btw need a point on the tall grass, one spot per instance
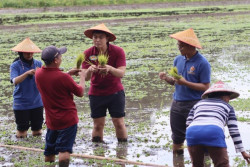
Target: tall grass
(53, 3)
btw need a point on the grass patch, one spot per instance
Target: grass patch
(48, 3)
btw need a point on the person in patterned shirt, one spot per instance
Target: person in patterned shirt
(206, 122)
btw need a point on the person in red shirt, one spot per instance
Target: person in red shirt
(57, 90)
(106, 90)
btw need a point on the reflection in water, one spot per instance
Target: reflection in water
(100, 149)
(122, 151)
(178, 160)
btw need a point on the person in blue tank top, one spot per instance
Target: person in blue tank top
(27, 102)
(195, 73)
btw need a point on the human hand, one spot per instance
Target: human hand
(105, 69)
(246, 156)
(74, 71)
(92, 68)
(31, 72)
(181, 81)
(163, 75)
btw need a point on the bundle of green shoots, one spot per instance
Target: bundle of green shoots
(79, 60)
(174, 73)
(102, 59)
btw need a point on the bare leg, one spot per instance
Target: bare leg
(178, 149)
(21, 134)
(120, 129)
(50, 158)
(64, 158)
(37, 132)
(97, 133)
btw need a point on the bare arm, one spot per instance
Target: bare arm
(246, 156)
(82, 81)
(22, 77)
(192, 85)
(117, 72)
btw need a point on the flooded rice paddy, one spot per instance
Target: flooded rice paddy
(149, 50)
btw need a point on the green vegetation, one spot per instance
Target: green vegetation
(57, 17)
(174, 73)
(102, 59)
(49, 3)
(79, 60)
(149, 50)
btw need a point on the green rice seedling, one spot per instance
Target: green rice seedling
(79, 60)
(103, 59)
(174, 73)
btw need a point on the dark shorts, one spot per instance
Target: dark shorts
(29, 118)
(115, 104)
(178, 114)
(60, 140)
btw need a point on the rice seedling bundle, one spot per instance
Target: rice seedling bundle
(103, 59)
(174, 73)
(79, 60)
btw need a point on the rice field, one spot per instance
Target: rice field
(149, 50)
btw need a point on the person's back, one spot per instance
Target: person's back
(206, 122)
(57, 89)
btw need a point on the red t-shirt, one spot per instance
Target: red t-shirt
(57, 89)
(105, 85)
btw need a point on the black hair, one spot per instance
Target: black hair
(218, 94)
(100, 32)
(17, 58)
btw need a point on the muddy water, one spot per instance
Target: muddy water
(147, 107)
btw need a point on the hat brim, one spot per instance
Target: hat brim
(62, 50)
(178, 39)
(233, 95)
(89, 34)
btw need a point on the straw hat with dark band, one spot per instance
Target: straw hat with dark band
(188, 36)
(26, 46)
(220, 87)
(100, 27)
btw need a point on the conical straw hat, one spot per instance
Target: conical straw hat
(100, 27)
(221, 87)
(188, 36)
(26, 46)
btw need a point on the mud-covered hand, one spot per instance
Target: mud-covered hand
(246, 156)
(163, 75)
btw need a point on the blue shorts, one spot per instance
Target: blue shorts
(115, 104)
(206, 135)
(60, 140)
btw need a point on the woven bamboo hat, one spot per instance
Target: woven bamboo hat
(220, 87)
(188, 36)
(26, 46)
(100, 27)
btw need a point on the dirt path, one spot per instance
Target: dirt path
(123, 7)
